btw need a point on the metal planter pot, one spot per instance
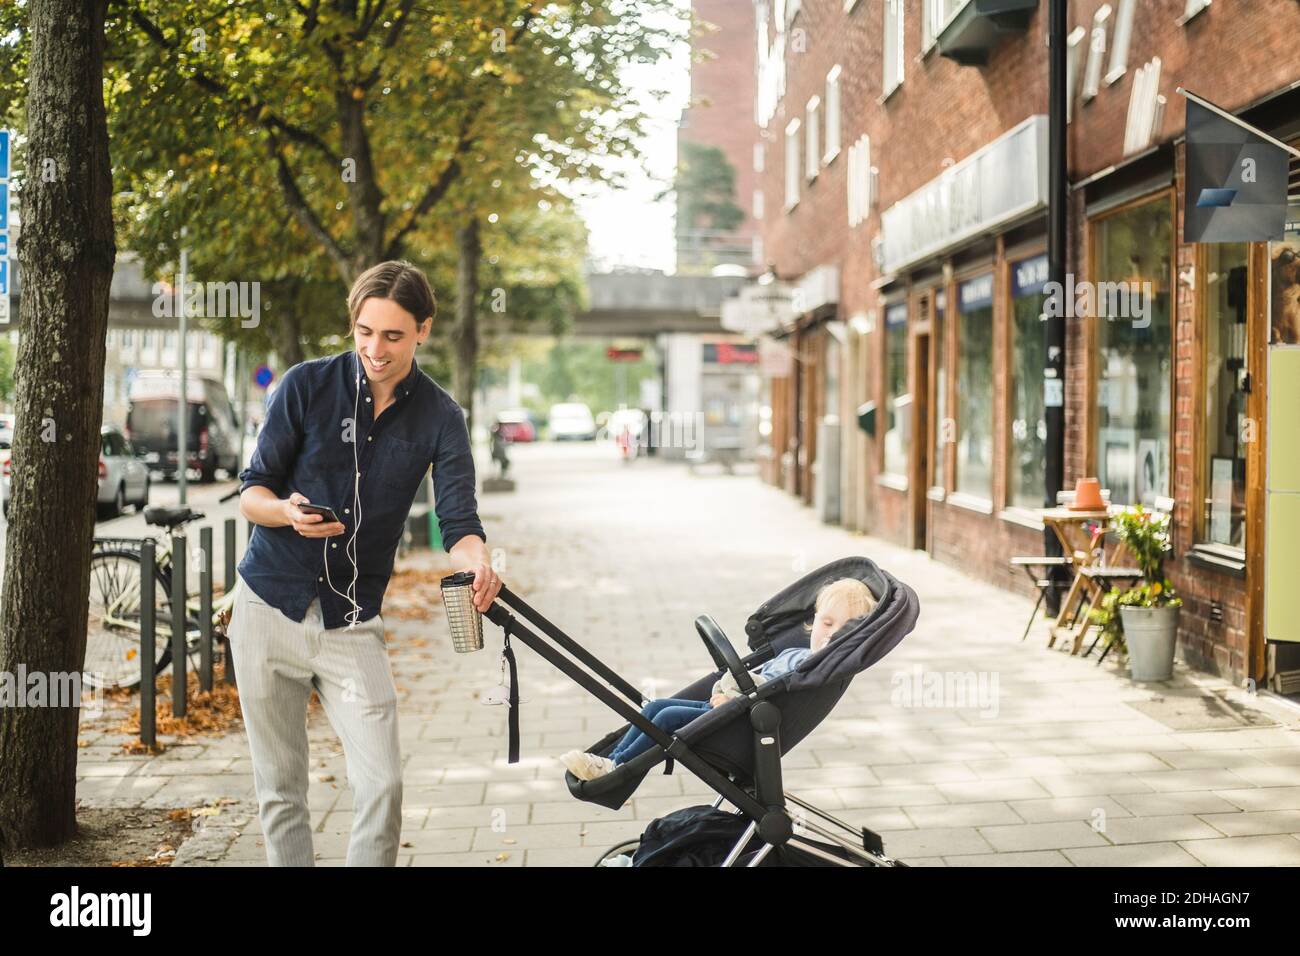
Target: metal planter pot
(1151, 633)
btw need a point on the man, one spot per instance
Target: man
(355, 432)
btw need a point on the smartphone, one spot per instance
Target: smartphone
(327, 513)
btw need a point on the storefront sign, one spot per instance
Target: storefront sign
(976, 293)
(757, 309)
(1028, 277)
(819, 287)
(998, 183)
(775, 360)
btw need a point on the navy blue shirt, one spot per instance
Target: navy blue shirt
(306, 445)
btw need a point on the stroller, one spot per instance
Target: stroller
(735, 748)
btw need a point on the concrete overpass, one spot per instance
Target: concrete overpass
(619, 303)
(648, 303)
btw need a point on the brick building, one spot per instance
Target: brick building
(902, 154)
(719, 115)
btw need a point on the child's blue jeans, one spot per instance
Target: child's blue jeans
(668, 714)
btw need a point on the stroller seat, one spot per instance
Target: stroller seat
(724, 735)
(737, 747)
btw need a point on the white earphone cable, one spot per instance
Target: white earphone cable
(350, 549)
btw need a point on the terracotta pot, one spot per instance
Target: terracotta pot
(1087, 496)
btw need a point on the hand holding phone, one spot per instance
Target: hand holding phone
(312, 521)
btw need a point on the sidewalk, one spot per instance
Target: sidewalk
(1057, 763)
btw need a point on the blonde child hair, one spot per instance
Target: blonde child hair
(850, 593)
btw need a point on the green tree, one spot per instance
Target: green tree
(323, 137)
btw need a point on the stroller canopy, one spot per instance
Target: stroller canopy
(723, 735)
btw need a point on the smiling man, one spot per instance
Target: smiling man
(355, 432)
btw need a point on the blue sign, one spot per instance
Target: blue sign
(976, 293)
(4, 245)
(1028, 276)
(4, 207)
(4, 154)
(4, 276)
(263, 376)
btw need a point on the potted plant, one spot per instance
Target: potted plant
(1148, 610)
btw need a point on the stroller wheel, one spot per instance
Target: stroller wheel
(626, 848)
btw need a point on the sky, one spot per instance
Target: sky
(626, 227)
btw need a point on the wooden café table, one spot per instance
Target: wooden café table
(1072, 530)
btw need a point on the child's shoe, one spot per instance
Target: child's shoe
(586, 766)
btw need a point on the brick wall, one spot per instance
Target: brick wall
(1235, 53)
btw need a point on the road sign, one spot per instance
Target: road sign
(4, 155)
(4, 277)
(4, 245)
(4, 207)
(4, 309)
(263, 376)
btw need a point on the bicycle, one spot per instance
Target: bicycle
(113, 623)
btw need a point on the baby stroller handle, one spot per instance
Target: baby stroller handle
(569, 644)
(723, 654)
(499, 616)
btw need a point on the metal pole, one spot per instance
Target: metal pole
(230, 554)
(205, 609)
(228, 671)
(179, 657)
(183, 404)
(1054, 327)
(241, 376)
(148, 729)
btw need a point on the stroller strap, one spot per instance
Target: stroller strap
(507, 652)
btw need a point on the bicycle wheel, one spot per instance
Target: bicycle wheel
(113, 622)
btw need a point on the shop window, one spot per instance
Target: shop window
(1028, 439)
(940, 388)
(1134, 250)
(898, 403)
(975, 388)
(1224, 462)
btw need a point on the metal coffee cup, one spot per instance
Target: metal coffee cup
(463, 618)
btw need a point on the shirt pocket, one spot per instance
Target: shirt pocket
(401, 465)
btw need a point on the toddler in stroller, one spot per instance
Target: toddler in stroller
(838, 602)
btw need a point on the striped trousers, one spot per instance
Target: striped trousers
(278, 662)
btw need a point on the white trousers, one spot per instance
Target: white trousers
(278, 662)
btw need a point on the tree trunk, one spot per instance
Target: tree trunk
(364, 195)
(465, 334)
(66, 252)
(287, 334)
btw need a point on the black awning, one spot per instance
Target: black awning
(981, 25)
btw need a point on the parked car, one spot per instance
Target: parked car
(212, 429)
(7, 424)
(571, 420)
(123, 478)
(123, 475)
(517, 425)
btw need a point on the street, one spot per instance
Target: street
(1054, 762)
